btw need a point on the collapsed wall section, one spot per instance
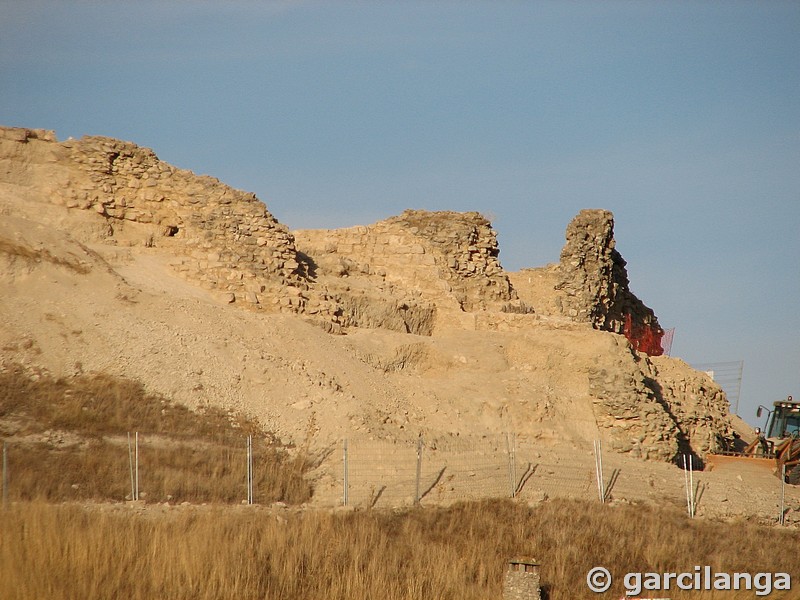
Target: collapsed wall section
(464, 251)
(593, 283)
(697, 403)
(656, 407)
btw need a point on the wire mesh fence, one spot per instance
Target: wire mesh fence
(396, 474)
(387, 474)
(729, 377)
(384, 474)
(365, 473)
(154, 468)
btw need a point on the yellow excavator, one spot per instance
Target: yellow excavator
(776, 446)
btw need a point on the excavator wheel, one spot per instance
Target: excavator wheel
(793, 476)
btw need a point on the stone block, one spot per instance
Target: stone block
(522, 580)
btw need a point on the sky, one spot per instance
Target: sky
(680, 117)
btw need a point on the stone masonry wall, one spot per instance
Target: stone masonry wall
(593, 280)
(656, 407)
(225, 239)
(446, 258)
(402, 273)
(522, 581)
(698, 404)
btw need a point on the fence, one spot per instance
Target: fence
(377, 473)
(729, 377)
(368, 473)
(154, 468)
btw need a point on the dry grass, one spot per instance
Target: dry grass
(37, 255)
(70, 442)
(97, 405)
(168, 472)
(458, 553)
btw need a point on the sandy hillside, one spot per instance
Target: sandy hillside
(113, 261)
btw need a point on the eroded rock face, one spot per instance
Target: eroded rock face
(657, 407)
(699, 406)
(593, 279)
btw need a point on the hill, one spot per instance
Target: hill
(114, 262)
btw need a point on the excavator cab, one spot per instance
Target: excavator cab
(783, 437)
(784, 420)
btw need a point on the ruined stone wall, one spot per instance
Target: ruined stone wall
(654, 407)
(657, 407)
(226, 240)
(22, 134)
(628, 412)
(223, 238)
(699, 405)
(593, 281)
(446, 258)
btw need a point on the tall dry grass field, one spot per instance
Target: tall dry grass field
(202, 553)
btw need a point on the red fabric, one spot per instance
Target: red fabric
(644, 338)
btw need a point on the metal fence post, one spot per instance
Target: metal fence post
(511, 445)
(598, 469)
(419, 470)
(688, 481)
(691, 483)
(250, 470)
(781, 518)
(137, 465)
(346, 490)
(130, 467)
(5, 474)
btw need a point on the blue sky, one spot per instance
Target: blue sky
(683, 118)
